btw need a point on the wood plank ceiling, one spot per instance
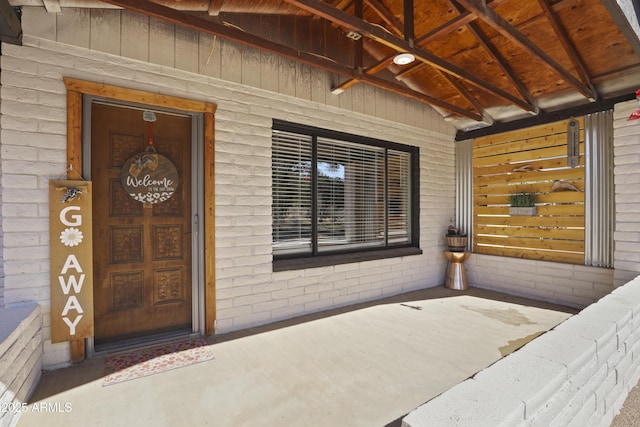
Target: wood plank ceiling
(479, 63)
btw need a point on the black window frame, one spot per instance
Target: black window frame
(314, 259)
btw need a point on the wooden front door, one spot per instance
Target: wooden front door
(142, 252)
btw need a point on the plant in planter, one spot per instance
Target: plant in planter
(456, 240)
(523, 204)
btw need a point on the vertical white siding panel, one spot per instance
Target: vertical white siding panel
(105, 30)
(357, 96)
(38, 22)
(333, 81)
(230, 61)
(73, 27)
(287, 77)
(186, 49)
(393, 102)
(369, 100)
(346, 100)
(303, 81)
(380, 101)
(409, 113)
(209, 57)
(401, 109)
(269, 72)
(161, 42)
(319, 87)
(251, 64)
(135, 36)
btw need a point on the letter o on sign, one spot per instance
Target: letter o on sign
(149, 177)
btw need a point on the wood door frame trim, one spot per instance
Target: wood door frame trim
(75, 89)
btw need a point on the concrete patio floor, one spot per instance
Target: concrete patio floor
(364, 365)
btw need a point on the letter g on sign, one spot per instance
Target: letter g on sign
(70, 220)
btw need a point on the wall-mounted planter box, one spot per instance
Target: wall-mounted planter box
(525, 211)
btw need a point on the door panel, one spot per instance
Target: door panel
(142, 252)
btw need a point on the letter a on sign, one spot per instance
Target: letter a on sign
(71, 257)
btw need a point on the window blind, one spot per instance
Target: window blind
(291, 169)
(350, 195)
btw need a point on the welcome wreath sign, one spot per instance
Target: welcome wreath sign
(71, 255)
(149, 177)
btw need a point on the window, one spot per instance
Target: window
(339, 193)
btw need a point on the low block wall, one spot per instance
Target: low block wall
(567, 284)
(577, 374)
(20, 359)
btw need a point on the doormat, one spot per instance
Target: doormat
(150, 361)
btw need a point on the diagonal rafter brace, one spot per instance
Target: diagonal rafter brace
(385, 62)
(490, 17)
(371, 31)
(491, 50)
(194, 22)
(569, 48)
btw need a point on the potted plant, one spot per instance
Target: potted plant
(523, 204)
(456, 240)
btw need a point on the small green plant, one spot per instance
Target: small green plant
(523, 200)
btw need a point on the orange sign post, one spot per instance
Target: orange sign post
(71, 251)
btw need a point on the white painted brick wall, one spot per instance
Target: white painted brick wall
(626, 177)
(567, 284)
(248, 292)
(20, 358)
(577, 374)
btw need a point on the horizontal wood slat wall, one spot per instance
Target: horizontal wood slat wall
(556, 232)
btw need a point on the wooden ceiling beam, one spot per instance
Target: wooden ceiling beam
(568, 46)
(385, 62)
(447, 28)
(234, 34)
(401, 90)
(496, 55)
(489, 120)
(548, 117)
(215, 6)
(381, 65)
(490, 17)
(358, 53)
(383, 12)
(409, 23)
(348, 21)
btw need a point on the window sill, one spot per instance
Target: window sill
(337, 259)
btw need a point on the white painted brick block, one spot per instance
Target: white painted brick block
(56, 355)
(572, 351)
(624, 371)
(567, 401)
(583, 416)
(624, 334)
(468, 404)
(612, 401)
(601, 332)
(526, 377)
